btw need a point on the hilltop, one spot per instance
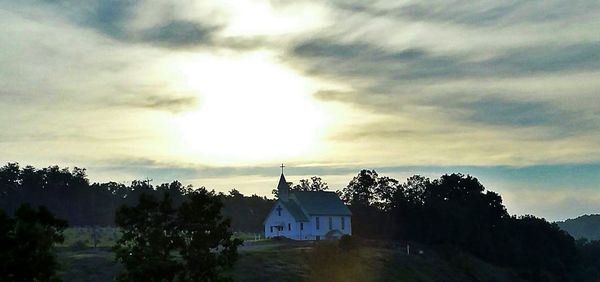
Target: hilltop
(585, 226)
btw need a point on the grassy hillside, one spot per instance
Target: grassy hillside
(299, 261)
(586, 226)
(303, 261)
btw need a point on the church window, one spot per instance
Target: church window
(330, 223)
(271, 229)
(343, 223)
(301, 225)
(279, 210)
(317, 223)
(289, 227)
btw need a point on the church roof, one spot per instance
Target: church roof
(282, 183)
(320, 203)
(294, 210)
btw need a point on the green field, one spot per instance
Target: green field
(106, 237)
(268, 260)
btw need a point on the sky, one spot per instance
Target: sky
(219, 94)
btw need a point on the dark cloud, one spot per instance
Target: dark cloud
(477, 110)
(179, 34)
(376, 131)
(111, 17)
(108, 17)
(547, 58)
(453, 12)
(479, 14)
(173, 104)
(245, 43)
(333, 95)
(492, 110)
(328, 48)
(495, 111)
(326, 57)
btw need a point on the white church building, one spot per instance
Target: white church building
(303, 215)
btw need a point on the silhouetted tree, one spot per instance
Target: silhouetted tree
(406, 207)
(457, 210)
(590, 256)
(539, 250)
(26, 244)
(207, 246)
(69, 195)
(149, 238)
(369, 195)
(9, 185)
(360, 190)
(162, 243)
(246, 213)
(315, 183)
(384, 192)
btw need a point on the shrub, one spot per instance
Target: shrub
(27, 241)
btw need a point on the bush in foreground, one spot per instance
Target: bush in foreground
(162, 243)
(26, 244)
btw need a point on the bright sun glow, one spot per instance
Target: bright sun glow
(251, 109)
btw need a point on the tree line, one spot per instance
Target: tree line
(456, 210)
(69, 194)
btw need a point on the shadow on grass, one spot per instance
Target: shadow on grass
(87, 264)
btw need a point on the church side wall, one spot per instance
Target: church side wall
(289, 228)
(336, 224)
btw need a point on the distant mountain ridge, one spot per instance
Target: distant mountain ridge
(585, 226)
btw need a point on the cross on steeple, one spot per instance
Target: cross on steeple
(282, 166)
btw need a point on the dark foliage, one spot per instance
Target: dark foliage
(369, 197)
(313, 184)
(69, 195)
(26, 244)
(164, 243)
(246, 212)
(347, 243)
(456, 210)
(360, 191)
(590, 266)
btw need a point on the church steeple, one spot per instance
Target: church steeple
(282, 188)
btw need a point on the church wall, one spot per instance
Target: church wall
(336, 222)
(274, 219)
(306, 232)
(309, 231)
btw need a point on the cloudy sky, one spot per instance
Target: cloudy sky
(219, 94)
